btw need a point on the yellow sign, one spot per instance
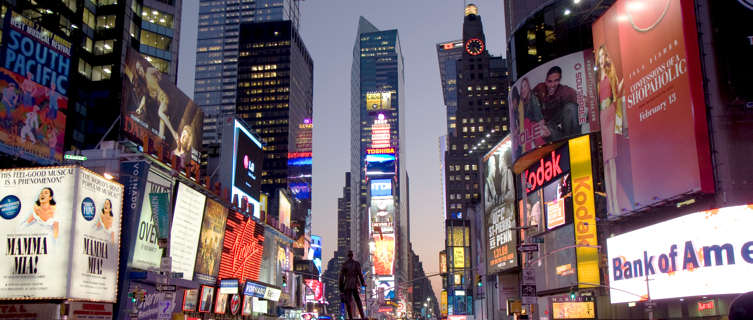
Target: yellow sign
(573, 310)
(378, 101)
(443, 303)
(584, 213)
(458, 256)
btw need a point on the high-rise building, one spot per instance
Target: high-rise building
(481, 121)
(330, 276)
(378, 133)
(100, 34)
(275, 97)
(217, 54)
(448, 54)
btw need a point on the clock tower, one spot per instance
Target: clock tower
(481, 120)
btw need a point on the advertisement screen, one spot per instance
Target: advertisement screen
(381, 187)
(380, 164)
(210, 240)
(315, 254)
(378, 101)
(96, 238)
(156, 304)
(649, 87)
(554, 266)
(443, 262)
(184, 235)
(57, 231)
(553, 102)
(458, 257)
(146, 251)
(34, 68)
(314, 290)
(499, 207)
(284, 209)
(384, 254)
(242, 248)
(565, 308)
(709, 255)
(158, 115)
(247, 166)
(382, 212)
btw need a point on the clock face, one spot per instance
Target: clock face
(474, 46)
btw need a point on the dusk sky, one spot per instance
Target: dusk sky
(328, 28)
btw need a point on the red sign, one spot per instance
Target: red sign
(317, 287)
(380, 151)
(705, 305)
(242, 248)
(650, 90)
(547, 169)
(296, 155)
(384, 254)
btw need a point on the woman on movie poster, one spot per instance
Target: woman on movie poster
(43, 214)
(105, 218)
(611, 101)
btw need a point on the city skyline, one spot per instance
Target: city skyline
(330, 42)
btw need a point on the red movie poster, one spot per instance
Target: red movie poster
(653, 122)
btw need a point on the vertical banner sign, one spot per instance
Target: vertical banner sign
(186, 226)
(584, 213)
(133, 177)
(159, 203)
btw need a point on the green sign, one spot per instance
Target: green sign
(159, 203)
(74, 157)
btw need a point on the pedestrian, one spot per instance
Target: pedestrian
(351, 281)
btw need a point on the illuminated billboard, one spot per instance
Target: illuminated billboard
(380, 164)
(284, 209)
(315, 254)
(242, 248)
(384, 254)
(185, 229)
(381, 187)
(60, 232)
(649, 88)
(554, 263)
(380, 133)
(210, 241)
(34, 68)
(499, 207)
(443, 261)
(553, 102)
(146, 253)
(382, 213)
(314, 290)
(159, 115)
(378, 101)
(566, 308)
(247, 165)
(710, 254)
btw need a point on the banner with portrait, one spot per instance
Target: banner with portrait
(210, 241)
(553, 102)
(499, 207)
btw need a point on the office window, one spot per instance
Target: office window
(105, 22)
(87, 44)
(84, 68)
(157, 17)
(101, 72)
(89, 18)
(103, 47)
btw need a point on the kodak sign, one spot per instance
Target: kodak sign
(584, 213)
(548, 168)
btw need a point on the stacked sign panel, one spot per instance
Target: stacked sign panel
(210, 241)
(499, 205)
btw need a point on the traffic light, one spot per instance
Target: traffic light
(284, 280)
(132, 295)
(478, 281)
(572, 294)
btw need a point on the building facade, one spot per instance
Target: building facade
(448, 54)
(275, 97)
(217, 50)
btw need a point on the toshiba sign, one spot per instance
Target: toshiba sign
(548, 169)
(711, 253)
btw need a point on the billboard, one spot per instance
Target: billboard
(185, 229)
(580, 308)
(381, 187)
(146, 253)
(247, 164)
(380, 164)
(61, 234)
(284, 209)
(384, 254)
(499, 207)
(554, 263)
(553, 102)
(649, 88)
(709, 255)
(382, 213)
(34, 68)
(242, 248)
(443, 261)
(584, 212)
(210, 241)
(314, 290)
(376, 101)
(156, 304)
(160, 116)
(315, 254)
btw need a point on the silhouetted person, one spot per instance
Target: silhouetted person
(351, 280)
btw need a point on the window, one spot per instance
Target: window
(134, 29)
(475, 167)
(467, 167)
(157, 17)
(84, 68)
(103, 47)
(105, 22)
(71, 4)
(452, 178)
(88, 18)
(467, 177)
(86, 43)
(155, 40)
(106, 2)
(101, 72)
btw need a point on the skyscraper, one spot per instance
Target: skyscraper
(448, 54)
(377, 149)
(481, 120)
(275, 97)
(217, 53)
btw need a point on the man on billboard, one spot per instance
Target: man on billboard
(559, 105)
(351, 280)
